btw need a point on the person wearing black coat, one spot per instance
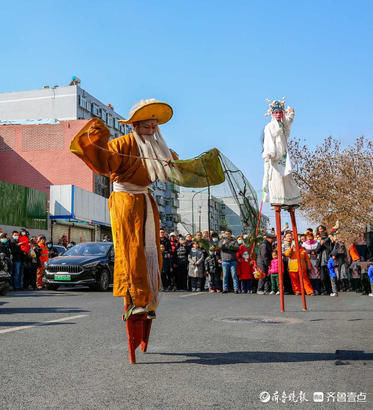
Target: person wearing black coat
(326, 248)
(164, 240)
(263, 262)
(166, 268)
(18, 258)
(213, 267)
(5, 251)
(181, 262)
(4, 245)
(35, 252)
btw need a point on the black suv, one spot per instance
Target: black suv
(88, 264)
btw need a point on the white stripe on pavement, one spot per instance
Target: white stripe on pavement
(193, 294)
(64, 319)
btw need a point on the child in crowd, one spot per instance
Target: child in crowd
(311, 244)
(286, 244)
(196, 266)
(294, 270)
(370, 275)
(213, 268)
(333, 275)
(244, 267)
(166, 268)
(273, 272)
(314, 273)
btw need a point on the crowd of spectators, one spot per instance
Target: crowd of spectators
(24, 256)
(219, 262)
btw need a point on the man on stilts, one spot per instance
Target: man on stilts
(279, 187)
(133, 162)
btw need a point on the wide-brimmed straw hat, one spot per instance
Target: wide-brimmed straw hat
(149, 110)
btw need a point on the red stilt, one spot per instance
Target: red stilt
(146, 334)
(279, 256)
(138, 332)
(300, 268)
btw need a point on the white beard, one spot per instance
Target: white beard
(155, 153)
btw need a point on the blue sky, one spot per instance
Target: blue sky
(215, 62)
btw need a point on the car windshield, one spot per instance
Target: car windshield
(59, 249)
(88, 249)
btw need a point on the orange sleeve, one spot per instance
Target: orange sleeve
(91, 145)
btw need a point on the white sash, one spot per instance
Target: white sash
(150, 242)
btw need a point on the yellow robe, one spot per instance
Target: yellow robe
(127, 211)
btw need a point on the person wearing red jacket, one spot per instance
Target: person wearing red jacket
(43, 258)
(244, 266)
(24, 242)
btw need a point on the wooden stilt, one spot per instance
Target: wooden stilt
(297, 249)
(279, 256)
(138, 332)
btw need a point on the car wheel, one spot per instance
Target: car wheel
(52, 287)
(103, 282)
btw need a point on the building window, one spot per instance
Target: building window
(95, 110)
(103, 115)
(89, 108)
(82, 102)
(109, 120)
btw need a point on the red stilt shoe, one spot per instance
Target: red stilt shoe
(138, 332)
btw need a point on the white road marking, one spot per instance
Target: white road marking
(193, 294)
(64, 319)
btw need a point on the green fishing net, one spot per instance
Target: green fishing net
(220, 178)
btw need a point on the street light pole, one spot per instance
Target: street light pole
(198, 192)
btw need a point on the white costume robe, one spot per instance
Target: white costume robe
(278, 183)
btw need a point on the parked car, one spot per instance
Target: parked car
(89, 264)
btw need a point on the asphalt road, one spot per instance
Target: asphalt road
(67, 350)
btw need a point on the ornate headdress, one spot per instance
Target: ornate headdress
(275, 105)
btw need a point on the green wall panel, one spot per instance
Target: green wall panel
(22, 206)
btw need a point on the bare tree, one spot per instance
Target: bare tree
(336, 183)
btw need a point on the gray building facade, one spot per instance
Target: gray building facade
(71, 102)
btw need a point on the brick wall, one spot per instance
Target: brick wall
(38, 156)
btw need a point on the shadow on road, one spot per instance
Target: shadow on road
(341, 357)
(37, 294)
(39, 324)
(55, 309)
